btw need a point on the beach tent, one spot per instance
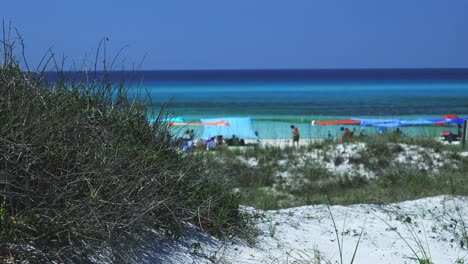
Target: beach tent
(403, 122)
(447, 119)
(374, 122)
(241, 127)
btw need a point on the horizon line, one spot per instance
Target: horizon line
(284, 69)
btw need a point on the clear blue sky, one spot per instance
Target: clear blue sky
(249, 34)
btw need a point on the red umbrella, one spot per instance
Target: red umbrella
(450, 116)
(446, 117)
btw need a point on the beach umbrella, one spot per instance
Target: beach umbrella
(448, 119)
(336, 122)
(450, 116)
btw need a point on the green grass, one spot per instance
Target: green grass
(309, 182)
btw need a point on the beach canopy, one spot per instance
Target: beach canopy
(374, 122)
(336, 122)
(444, 120)
(423, 122)
(241, 127)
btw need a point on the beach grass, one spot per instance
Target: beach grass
(84, 176)
(280, 177)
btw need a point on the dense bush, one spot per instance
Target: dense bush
(81, 166)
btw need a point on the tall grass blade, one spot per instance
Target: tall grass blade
(359, 240)
(336, 234)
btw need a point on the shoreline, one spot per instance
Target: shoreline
(307, 141)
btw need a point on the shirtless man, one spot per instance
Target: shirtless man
(295, 135)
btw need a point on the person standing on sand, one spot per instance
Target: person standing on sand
(295, 135)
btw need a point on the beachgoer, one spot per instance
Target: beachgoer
(234, 140)
(211, 144)
(346, 135)
(187, 145)
(200, 144)
(361, 132)
(454, 137)
(186, 135)
(329, 136)
(219, 140)
(398, 132)
(186, 141)
(192, 134)
(295, 135)
(241, 142)
(258, 137)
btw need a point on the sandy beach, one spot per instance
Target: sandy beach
(404, 232)
(304, 142)
(394, 233)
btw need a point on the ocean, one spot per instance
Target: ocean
(276, 99)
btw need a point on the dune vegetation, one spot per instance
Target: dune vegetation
(377, 169)
(82, 170)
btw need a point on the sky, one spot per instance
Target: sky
(246, 34)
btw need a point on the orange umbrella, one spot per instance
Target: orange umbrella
(215, 123)
(337, 122)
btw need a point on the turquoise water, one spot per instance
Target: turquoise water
(275, 99)
(274, 105)
(295, 102)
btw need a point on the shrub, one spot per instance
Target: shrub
(81, 167)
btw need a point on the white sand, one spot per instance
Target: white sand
(304, 233)
(307, 141)
(397, 233)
